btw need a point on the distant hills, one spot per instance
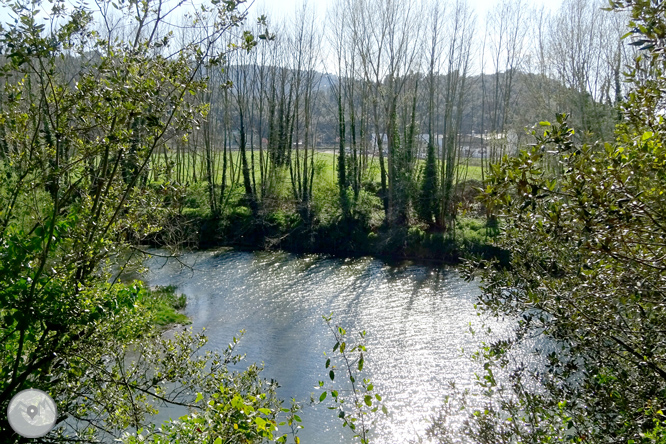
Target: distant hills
(512, 100)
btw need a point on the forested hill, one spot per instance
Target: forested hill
(491, 103)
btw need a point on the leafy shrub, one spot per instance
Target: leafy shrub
(282, 221)
(163, 303)
(415, 235)
(195, 196)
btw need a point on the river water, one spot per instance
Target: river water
(417, 320)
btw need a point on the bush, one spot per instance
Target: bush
(163, 303)
(281, 221)
(196, 196)
(415, 235)
(586, 361)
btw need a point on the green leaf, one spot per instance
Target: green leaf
(323, 396)
(331, 375)
(199, 397)
(368, 400)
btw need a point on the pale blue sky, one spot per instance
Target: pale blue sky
(289, 6)
(279, 9)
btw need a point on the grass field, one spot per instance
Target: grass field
(325, 168)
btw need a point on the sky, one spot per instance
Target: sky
(280, 7)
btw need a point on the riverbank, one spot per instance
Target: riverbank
(351, 238)
(165, 306)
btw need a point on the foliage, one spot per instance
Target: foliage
(195, 197)
(586, 361)
(82, 112)
(163, 304)
(356, 405)
(427, 203)
(232, 407)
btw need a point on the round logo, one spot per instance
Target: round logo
(32, 413)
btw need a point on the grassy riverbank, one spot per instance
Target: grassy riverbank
(278, 221)
(165, 306)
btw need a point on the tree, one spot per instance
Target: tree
(586, 361)
(305, 40)
(387, 43)
(340, 42)
(427, 205)
(454, 89)
(84, 115)
(583, 54)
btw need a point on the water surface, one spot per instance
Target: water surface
(417, 320)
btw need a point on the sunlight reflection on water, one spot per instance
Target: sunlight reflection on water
(417, 320)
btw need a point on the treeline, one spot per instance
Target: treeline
(382, 114)
(416, 92)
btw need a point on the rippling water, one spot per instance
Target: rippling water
(416, 317)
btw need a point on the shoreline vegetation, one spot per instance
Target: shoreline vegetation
(472, 237)
(335, 221)
(166, 307)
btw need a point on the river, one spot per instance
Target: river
(417, 320)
